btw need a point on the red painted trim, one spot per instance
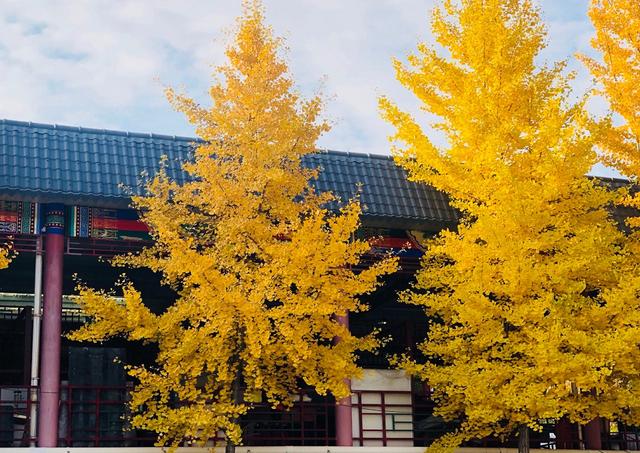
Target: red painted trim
(125, 225)
(390, 242)
(383, 414)
(8, 216)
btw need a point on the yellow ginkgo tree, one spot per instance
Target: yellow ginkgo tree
(532, 299)
(617, 24)
(6, 254)
(4, 257)
(261, 266)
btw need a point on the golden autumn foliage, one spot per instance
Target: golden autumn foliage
(6, 255)
(4, 258)
(617, 24)
(533, 300)
(260, 265)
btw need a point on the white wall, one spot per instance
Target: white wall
(397, 419)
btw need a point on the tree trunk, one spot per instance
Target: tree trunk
(237, 399)
(523, 439)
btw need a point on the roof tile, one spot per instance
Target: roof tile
(84, 163)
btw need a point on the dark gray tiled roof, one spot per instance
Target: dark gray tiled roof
(90, 166)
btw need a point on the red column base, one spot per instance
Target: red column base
(564, 435)
(593, 434)
(344, 422)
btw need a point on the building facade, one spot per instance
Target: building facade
(64, 207)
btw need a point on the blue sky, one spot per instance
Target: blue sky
(94, 65)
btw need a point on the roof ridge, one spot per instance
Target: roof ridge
(610, 178)
(151, 135)
(354, 154)
(88, 130)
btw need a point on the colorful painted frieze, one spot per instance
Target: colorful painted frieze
(101, 223)
(19, 217)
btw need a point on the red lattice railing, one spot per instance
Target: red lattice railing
(95, 416)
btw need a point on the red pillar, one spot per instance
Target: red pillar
(593, 434)
(564, 435)
(344, 423)
(51, 327)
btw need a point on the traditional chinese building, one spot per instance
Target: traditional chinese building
(64, 205)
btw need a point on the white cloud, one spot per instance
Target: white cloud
(94, 63)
